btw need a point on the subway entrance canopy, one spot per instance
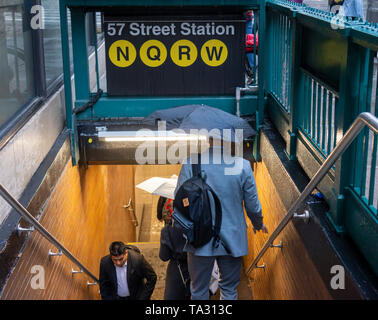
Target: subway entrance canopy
(313, 102)
(158, 55)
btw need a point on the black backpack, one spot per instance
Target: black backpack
(192, 210)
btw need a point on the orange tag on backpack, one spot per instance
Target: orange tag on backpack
(185, 202)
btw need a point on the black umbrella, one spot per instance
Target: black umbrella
(218, 123)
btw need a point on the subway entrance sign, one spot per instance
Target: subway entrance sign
(163, 56)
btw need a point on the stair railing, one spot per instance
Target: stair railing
(38, 227)
(364, 119)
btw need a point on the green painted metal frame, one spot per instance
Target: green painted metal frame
(350, 210)
(307, 122)
(119, 107)
(159, 3)
(362, 226)
(110, 107)
(290, 116)
(70, 117)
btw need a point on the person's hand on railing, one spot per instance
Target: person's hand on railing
(264, 229)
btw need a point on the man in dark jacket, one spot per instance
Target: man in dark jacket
(123, 273)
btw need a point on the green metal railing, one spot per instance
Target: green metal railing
(280, 47)
(314, 94)
(364, 121)
(318, 113)
(365, 182)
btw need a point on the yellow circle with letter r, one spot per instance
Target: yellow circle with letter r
(153, 53)
(184, 53)
(122, 53)
(214, 52)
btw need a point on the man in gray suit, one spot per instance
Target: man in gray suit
(234, 184)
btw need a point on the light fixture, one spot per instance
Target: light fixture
(144, 135)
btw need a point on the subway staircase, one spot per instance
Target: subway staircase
(149, 244)
(150, 250)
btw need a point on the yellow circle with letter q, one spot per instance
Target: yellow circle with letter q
(153, 53)
(122, 53)
(214, 53)
(184, 53)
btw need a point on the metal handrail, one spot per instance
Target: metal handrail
(130, 207)
(363, 119)
(38, 227)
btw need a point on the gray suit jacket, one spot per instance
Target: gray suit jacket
(233, 181)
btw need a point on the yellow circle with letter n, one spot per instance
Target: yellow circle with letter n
(122, 53)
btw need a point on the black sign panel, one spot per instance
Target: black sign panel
(171, 56)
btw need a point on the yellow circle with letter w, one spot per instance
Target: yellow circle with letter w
(214, 53)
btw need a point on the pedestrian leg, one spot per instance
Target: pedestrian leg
(200, 269)
(229, 271)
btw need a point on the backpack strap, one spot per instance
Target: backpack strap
(218, 214)
(196, 168)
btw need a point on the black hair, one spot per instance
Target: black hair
(117, 248)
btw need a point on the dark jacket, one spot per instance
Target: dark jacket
(171, 248)
(138, 269)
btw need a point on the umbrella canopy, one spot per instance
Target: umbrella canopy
(164, 187)
(218, 123)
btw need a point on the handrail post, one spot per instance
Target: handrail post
(130, 207)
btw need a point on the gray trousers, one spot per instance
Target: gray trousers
(200, 269)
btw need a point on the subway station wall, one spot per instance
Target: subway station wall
(290, 272)
(23, 154)
(85, 213)
(21, 157)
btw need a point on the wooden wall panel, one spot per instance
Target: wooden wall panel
(85, 213)
(289, 273)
